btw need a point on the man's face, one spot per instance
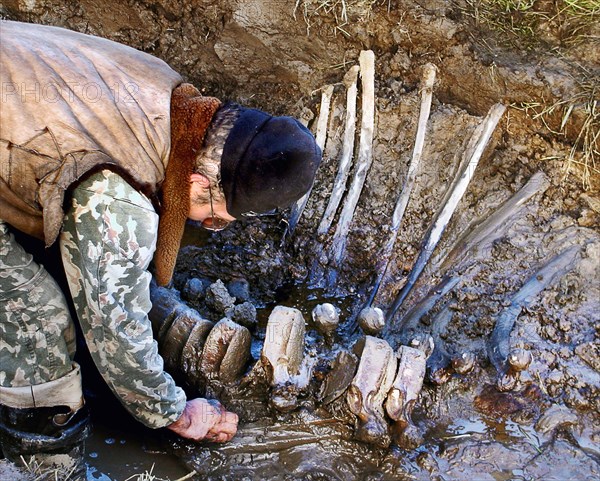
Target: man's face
(202, 212)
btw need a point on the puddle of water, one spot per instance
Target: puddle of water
(115, 455)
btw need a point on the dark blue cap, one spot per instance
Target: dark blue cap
(268, 162)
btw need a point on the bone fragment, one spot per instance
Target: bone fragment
(320, 137)
(464, 363)
(403, 395)
(491, 228)
(369, 388)
(226, 352)
(371, 320)
(326, 318)
(363, 163)
(339, 184)
(283, 397)
(304, 376)
(283, 350)
(439, 364)
(343, 370)
(556, 416)
(473, 153)
(499, 343)
(263, 438)
(426, 94)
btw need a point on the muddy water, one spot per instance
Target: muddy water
(476, 447)
(114, 454)
(462, 439)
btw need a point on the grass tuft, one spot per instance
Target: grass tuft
(341, 11)
(527, 23)
(37, 471)
(560, 26)
(149, 476)
(584, 156)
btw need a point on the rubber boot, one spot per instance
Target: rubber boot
(50, 437)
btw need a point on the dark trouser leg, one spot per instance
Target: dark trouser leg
(40, 386)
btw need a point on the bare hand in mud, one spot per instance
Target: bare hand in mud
(208, 420)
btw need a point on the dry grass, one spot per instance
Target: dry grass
(559, 26)
(584, 155)
(149, 476)
(34, 470)
(525, 23)
(341, 11)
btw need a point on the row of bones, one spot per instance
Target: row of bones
(383, 381)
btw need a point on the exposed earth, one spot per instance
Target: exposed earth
(279, 56)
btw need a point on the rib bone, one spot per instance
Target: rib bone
(478, 142)
(365, 157)
(321, 136)
(489, 229)
(499, 343)
(426, 94)
(483, 234)
(339, 185)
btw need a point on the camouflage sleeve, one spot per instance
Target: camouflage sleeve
(107, 243)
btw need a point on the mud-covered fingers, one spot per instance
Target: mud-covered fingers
(220, 438)
(225, 429)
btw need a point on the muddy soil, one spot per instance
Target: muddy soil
(271, 55)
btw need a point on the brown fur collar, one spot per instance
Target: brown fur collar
(191, 114)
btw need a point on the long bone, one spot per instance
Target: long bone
(339, 184)
(491, 226)
(363, 163)
(509, 362)
(473, 153)
(426, 94)
(483, 234)
(320, 137)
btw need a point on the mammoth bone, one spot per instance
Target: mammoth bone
(374, 383)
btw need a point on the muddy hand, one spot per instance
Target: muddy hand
(204, 419)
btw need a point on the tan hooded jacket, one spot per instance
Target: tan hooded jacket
(70, 103)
